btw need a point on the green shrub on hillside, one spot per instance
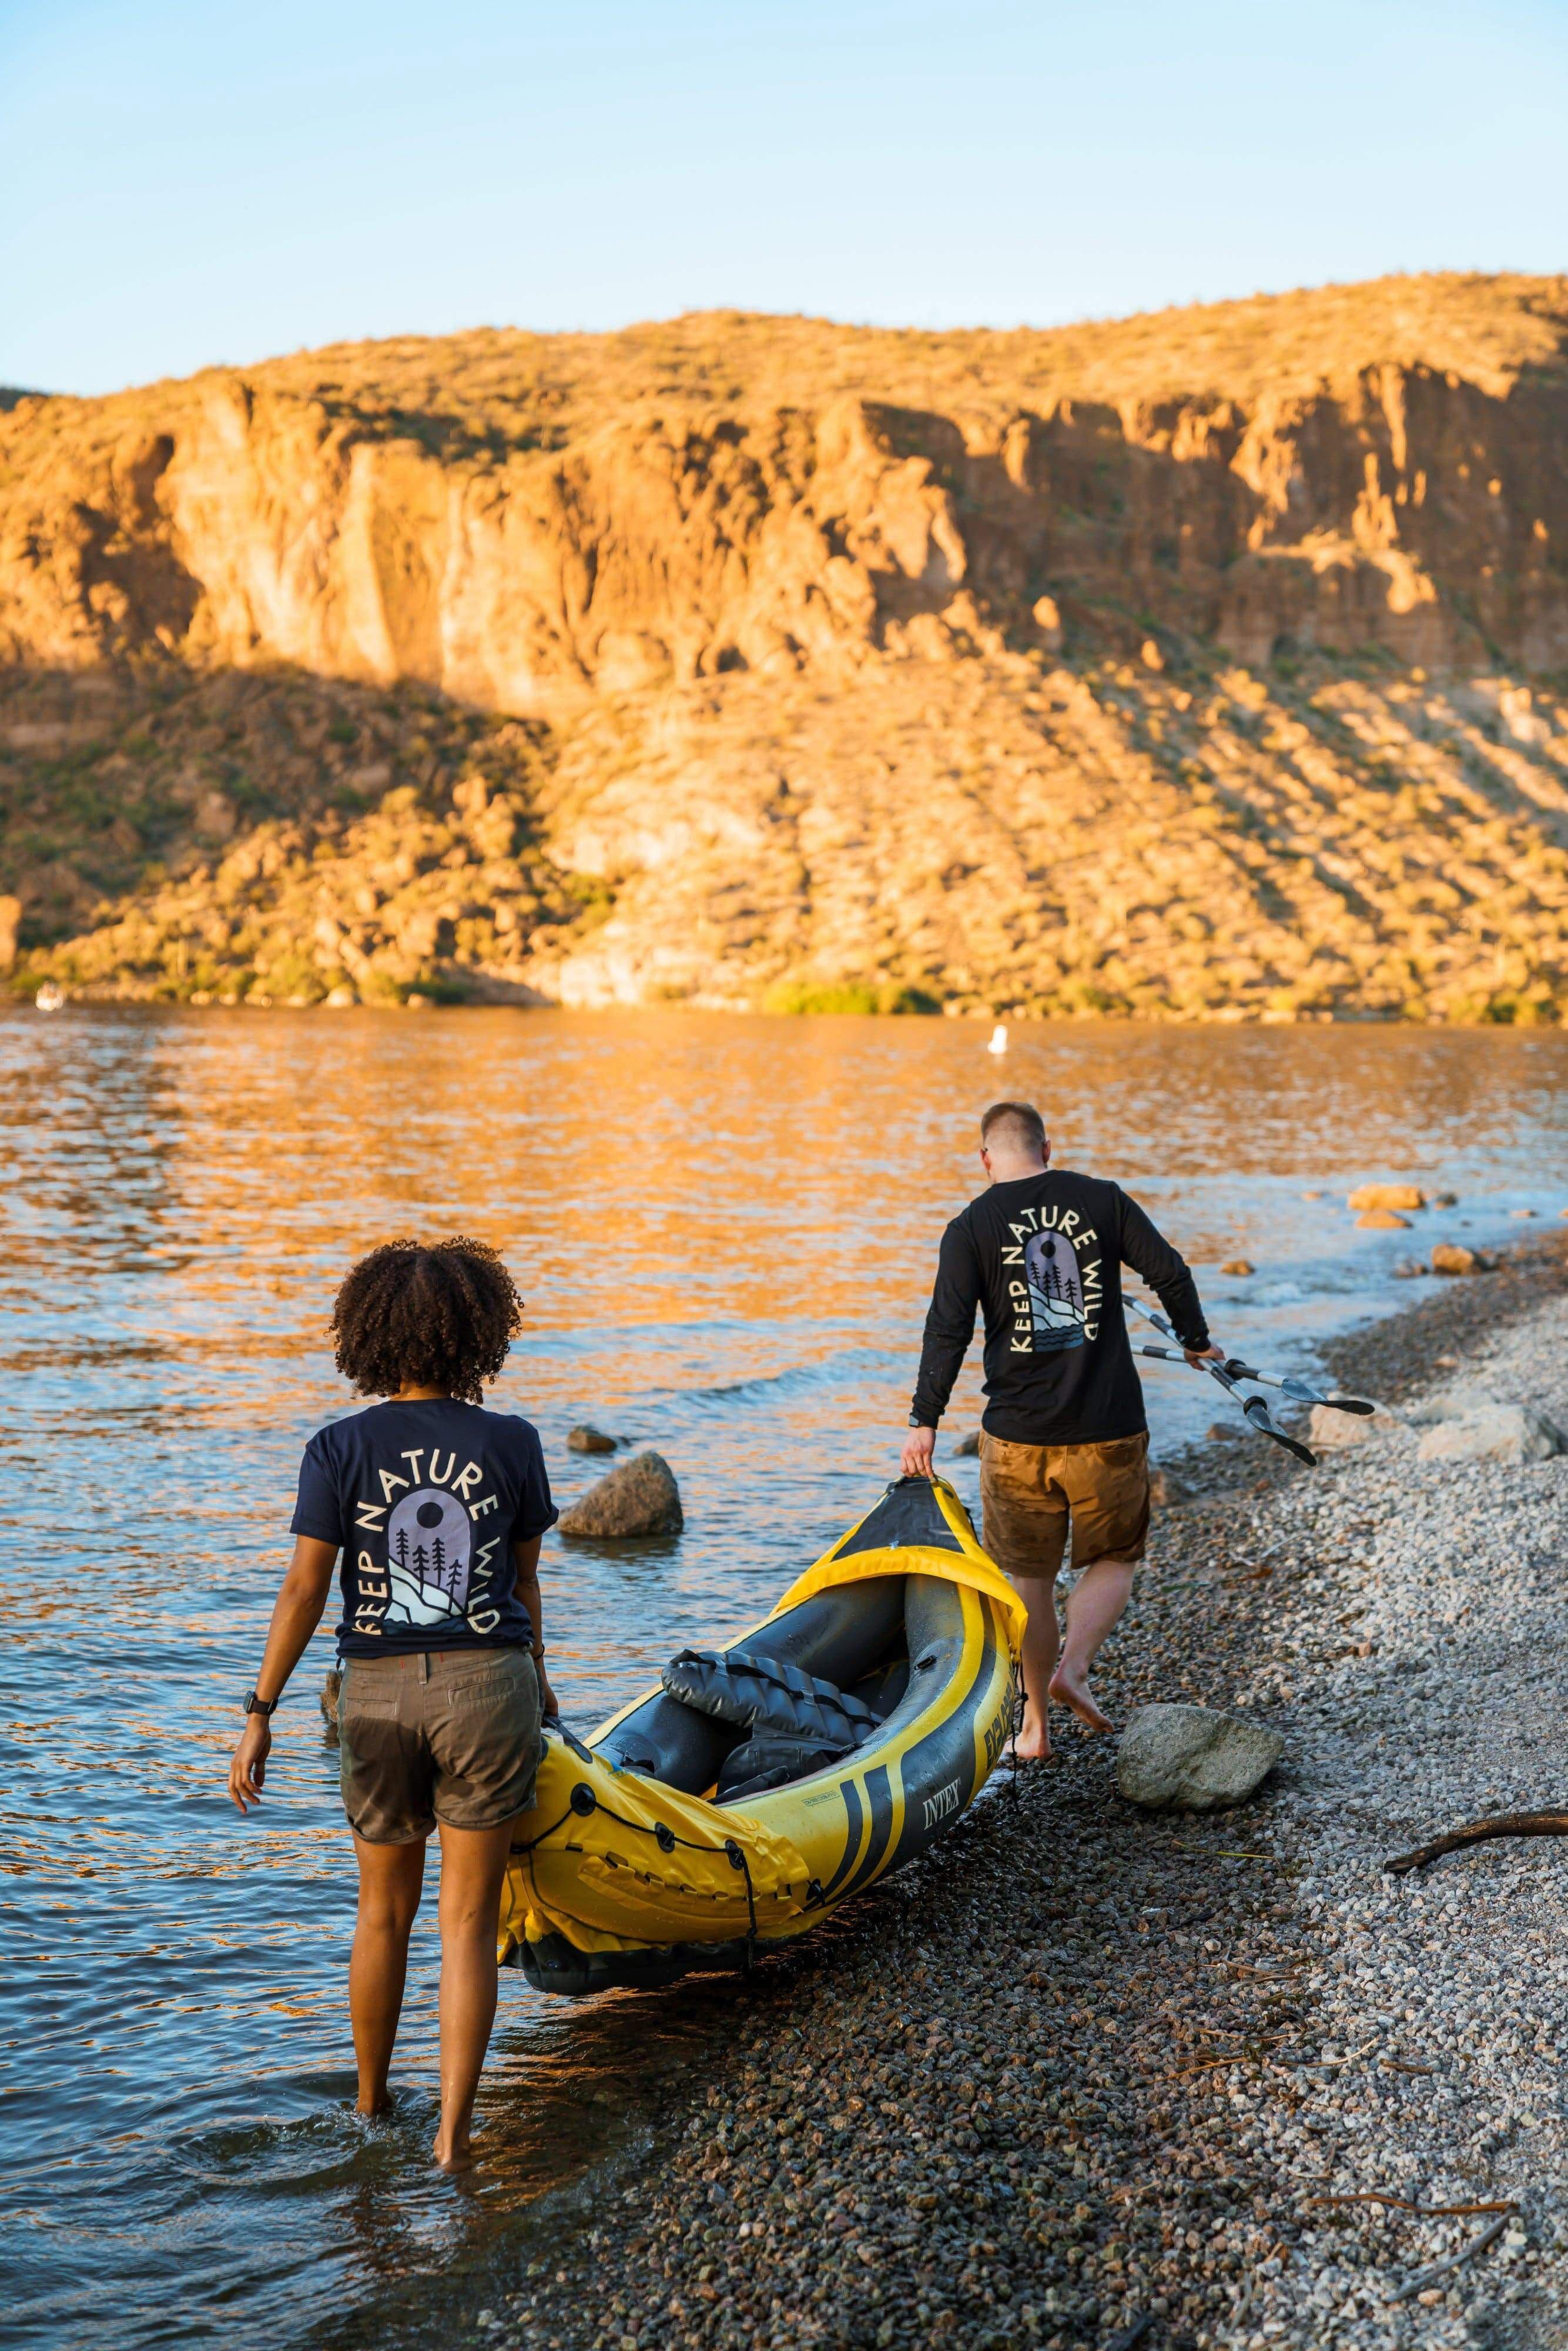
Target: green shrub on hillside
(847, 996)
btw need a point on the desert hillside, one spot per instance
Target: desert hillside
(1207, 663)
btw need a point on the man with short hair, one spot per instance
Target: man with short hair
(1065, 1439)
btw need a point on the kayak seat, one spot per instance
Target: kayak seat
(767, 1694)
(771, 1761)
(842, 1637)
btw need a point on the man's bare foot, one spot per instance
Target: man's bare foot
(1032, 1744)
(455, 2154)
(1072, 1690)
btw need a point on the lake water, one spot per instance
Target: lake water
(725, 1229)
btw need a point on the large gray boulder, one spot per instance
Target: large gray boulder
(1190, 1759)
(1459, 1401)
(638, 1498)
(1496, 1432)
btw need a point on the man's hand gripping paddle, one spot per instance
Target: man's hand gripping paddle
(1253, 1407)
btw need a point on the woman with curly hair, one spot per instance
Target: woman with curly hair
(436, 1508)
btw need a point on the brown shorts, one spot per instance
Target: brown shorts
(448, 1735)
(1027, 1492)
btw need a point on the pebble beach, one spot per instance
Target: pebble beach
(1087, 2076)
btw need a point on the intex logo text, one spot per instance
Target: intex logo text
(944, 1802)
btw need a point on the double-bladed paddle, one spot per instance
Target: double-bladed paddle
(1253, 1408)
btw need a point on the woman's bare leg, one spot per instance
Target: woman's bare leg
(472, 1864)
(390, 1876)
(1040, 1640)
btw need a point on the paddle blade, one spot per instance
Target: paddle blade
(1303, 1394)
(1263, 1421)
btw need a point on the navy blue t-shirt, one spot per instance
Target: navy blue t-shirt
(425, 1500)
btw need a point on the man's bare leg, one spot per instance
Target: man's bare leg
(472, 1864)
(1041, 1639)
(1094, 1609)
(390, 1876)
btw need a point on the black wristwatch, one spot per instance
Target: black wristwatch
(264, 1706)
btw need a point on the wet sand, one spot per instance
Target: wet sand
(1078, 2077)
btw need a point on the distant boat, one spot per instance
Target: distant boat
(997, 1042)
(50, 996)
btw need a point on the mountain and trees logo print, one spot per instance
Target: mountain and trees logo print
(1055, 1292)
(430, 1544)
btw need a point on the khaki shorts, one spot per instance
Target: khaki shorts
(1029, 1493)
(448, 1735)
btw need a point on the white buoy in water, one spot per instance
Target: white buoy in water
(50, 996)
(998, 1041)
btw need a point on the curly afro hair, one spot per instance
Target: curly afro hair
(425, 1314)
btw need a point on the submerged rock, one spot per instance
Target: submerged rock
(1381, 1220)
(1190, 1759)
(1238, 1266)
(1497, 1432)
(968, 1446)
(640, 1497)
(1453, 1257)
(1386, 1196)
(586, 1439)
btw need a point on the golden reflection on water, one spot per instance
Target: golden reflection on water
(724, 1231)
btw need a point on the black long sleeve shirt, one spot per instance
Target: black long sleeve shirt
(1043, 1258)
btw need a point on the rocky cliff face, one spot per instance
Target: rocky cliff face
(1201, 662)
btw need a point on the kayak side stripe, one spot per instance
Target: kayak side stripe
(879, 1796)
(943, 1737)
(852, 1844)
(954, 1745)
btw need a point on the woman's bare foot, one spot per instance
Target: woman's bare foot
(1071, 1690)
(1032, 1744)
(454, 2153)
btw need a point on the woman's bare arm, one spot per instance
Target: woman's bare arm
(526, 1555)
(296, 1613)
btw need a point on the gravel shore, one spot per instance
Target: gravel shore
(1085, 2077)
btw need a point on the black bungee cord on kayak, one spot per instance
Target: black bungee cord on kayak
(584, 1801)
(1232, 1369)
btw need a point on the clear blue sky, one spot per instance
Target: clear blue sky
(190, 181)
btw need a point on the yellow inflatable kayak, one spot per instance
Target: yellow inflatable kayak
(760, 1785)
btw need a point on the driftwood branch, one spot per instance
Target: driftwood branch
(1426, 2211)
(1425, 2278)
(1500, 1824)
